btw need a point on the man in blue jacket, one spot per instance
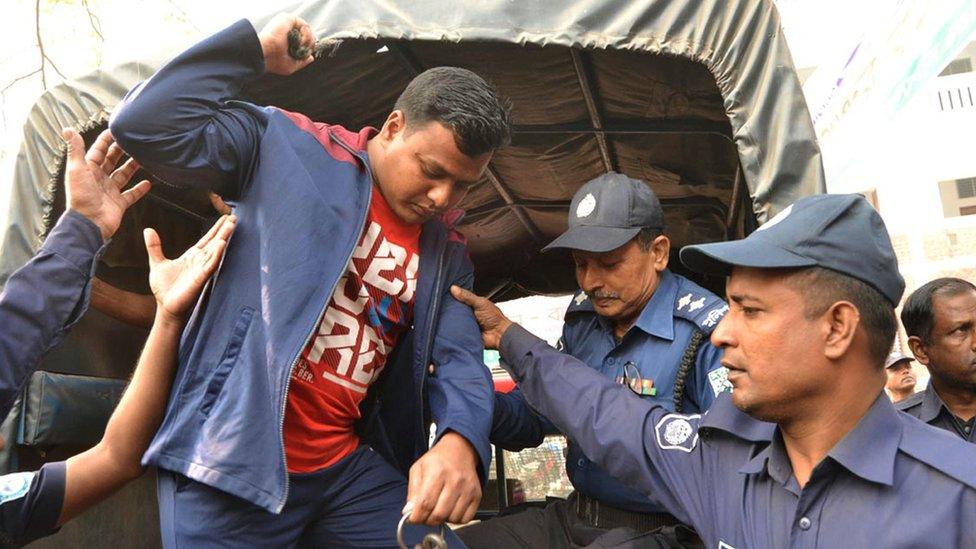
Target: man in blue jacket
(637, 324)
(304, 382)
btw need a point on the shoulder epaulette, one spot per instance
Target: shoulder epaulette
(939, 449)
(698, 305)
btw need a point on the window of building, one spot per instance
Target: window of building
(958, 66)
(958, 196)
(966, 188)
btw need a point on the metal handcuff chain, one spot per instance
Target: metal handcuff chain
(431, 540)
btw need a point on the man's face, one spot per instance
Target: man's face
(620, 282)
(771, 349)
(420, 171)
(950, 353)
(900, 377)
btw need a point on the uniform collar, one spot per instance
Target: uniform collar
(868, 450)
(932, 404)
(772, 459)
(657, 317)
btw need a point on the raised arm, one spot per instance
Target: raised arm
(616, 429)
(183, 124)
(97, 473)
(45, 297)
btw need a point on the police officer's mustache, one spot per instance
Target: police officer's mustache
(603, 295)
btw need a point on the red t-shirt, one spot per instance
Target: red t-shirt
(371, 306)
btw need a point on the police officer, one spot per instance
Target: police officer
(940, 320)
(635, 323)
(806, 444)
(901, 378)
(40, 302)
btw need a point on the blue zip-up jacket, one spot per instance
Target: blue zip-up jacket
(44, 298)
(301, 192)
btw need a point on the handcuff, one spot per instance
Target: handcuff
(431, 540)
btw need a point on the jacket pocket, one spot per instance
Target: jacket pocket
(227, 360)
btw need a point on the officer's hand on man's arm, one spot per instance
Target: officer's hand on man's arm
(274, 43)
(491, 319)
(176, 284)
(443, 485)
(94, 187)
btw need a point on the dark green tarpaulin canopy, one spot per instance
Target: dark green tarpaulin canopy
(679, 93)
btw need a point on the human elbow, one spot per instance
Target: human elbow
(126, 124)
(125, 466)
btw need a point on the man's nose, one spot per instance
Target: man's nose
(722, 334)
(588, 280)
(440, 194)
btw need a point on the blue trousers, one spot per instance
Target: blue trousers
(353, 503)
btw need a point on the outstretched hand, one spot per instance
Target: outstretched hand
(491, 319)
(93, 185)
(177, 283)
(274, 43)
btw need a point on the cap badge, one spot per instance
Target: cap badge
(776, 219)
(586, 206)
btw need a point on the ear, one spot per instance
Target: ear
(661, 249)
(918, 349)
(842, 320)
(394, 124)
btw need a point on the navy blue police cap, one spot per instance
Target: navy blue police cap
(607, 212)
(840, 232)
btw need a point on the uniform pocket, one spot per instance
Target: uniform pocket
(227, 360)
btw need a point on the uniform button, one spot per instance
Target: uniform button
(611, 360)
(581, 462)
(805, 523)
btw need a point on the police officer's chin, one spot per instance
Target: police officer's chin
(746, 400)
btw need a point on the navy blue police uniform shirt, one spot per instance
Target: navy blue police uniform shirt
(30, 504)
(650, 351)
(892, 481)
(928, 407)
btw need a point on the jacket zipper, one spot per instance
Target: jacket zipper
(284, 400)
(429, 343)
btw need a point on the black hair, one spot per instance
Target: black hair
(462, 101)
(823, 287)
(918, 314)
(645, 238)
